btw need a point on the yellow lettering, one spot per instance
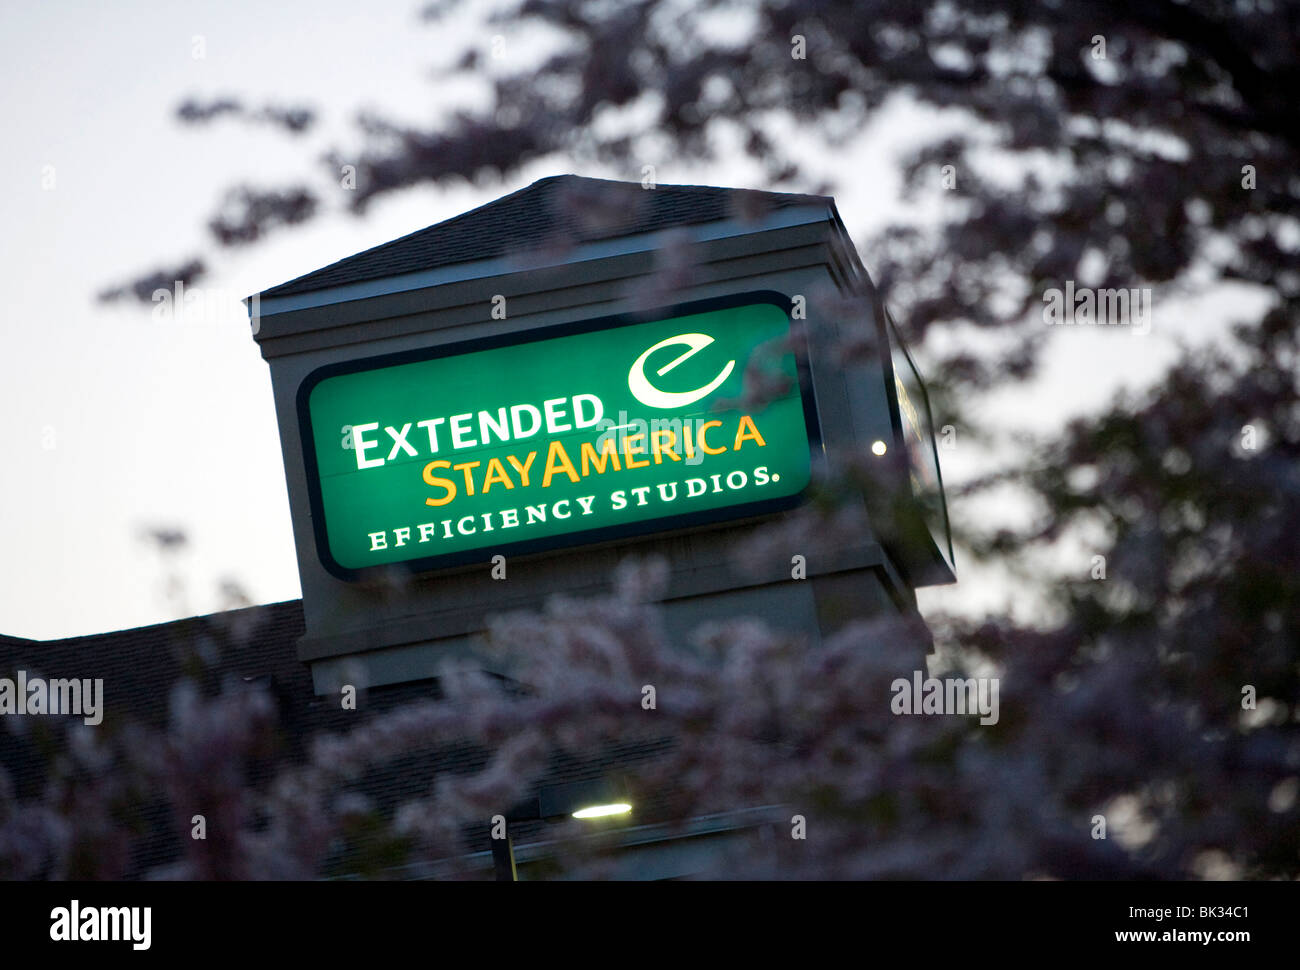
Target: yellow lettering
(629, 451)
(660, 449)
(523, 469)
(557, 460)
(752, 435)
(704, 442)
(496, 472)
(591, 460)
(436, 482)
(469, 482)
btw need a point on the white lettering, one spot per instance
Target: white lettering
(361, 445)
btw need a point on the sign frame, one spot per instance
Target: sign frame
(940, 530)
(688, 521)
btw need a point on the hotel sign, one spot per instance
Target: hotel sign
(570, 435)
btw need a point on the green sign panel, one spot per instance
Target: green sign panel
(573, 434)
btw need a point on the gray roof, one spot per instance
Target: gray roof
(140, 667)
(557, 211)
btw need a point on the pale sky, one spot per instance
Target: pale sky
(117, 422)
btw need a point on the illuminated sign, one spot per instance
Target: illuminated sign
(574, 434)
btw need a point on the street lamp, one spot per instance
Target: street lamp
(601, 811)
(580, 799)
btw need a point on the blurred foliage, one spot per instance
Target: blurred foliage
(1171, 163)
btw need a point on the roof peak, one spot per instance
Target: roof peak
(560, 209)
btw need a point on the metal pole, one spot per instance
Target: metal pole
(503, 859)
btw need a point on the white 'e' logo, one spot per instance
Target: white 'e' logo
(651, 396)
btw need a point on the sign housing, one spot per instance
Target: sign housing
(342, 341)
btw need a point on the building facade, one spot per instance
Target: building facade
(599, 353)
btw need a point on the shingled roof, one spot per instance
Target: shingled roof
(140, 668)
(557, 211)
